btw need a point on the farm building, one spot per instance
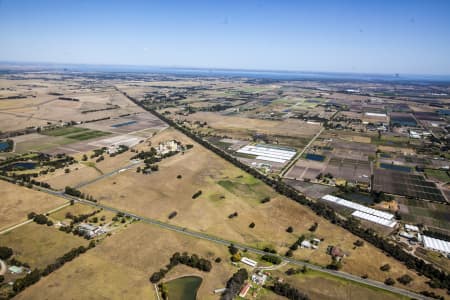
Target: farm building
(436, 245)
(356, 206)
(244, 290)
(249, 262)
(410, 227)
(268, 152)
(89, 230)
(374, 219)
(364, 212)
(169, 146)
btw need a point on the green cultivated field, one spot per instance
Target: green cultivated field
(64, 131)
(440, 175)
(76, 133)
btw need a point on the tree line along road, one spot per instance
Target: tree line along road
(224, 242)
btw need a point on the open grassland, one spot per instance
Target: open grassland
(17, 202)
(41, 106)
(225, 190)
(39, 245)
(79, 173)
(290, 131)
(120, 267)
(441, 175)
(323, 287)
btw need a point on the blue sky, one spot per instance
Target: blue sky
(337, 36)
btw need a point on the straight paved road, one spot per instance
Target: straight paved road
(299, 155)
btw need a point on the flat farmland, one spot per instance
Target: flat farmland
(17, 202)
(42, 105)
(76, 133)
(431, 214)
(137, 122)
(306, 169)
(120, 267)
(39, 142)
(40, 245)
(79, 173)
(406, 184)
(325, 287)
(225, 190)
(289, 130)
(349, 169)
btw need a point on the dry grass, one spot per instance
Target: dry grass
(241, 127)
(227, 189)
(320, 286)
(17, 202)
(120, 267)
(40, 245)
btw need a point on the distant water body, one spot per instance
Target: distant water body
(215, 72)
(274, 75)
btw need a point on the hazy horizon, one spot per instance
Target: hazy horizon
(405, 37)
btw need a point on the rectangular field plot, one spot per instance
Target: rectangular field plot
(429, 213)
(132, 123)
(40, 245)
(349, 169)
(401, 183)
(76, 133)
(64, 131)
(306, 169)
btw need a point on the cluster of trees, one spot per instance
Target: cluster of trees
(437, 235)
(35, 275)
(192, 261)
(233, 215)
(197, 194)
(297, 243)
(76, 193)
(120, 150)
(272, 259)
(81, 217)
(67, 98)
(292, 271)
(98, 152)
(40, 219)
(61, 161)
(234, 284)
(335, 264)
(379, 196)
(313, 227)
(438, 278)
(41, 184)
(385, 267)
(5, 252)
(286, 290)
(432, 295)
(172, 215)
(404, 279)
(99, 109)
